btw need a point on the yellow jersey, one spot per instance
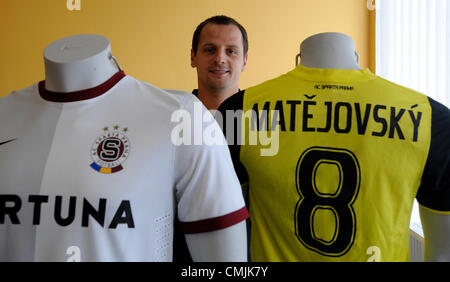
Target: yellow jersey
(334, 160)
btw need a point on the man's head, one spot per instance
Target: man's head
(219, 52)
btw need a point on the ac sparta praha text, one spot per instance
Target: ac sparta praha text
(340, 117)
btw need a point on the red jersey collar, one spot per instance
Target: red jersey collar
(82, 94)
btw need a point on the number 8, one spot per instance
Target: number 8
(340, 203)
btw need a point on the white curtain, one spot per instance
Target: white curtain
(413, 50)
(413, 45)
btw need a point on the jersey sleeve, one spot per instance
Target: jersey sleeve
(434, 191)
(208, 193)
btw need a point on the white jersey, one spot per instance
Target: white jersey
(94, 175)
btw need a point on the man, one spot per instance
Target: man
(219, 53)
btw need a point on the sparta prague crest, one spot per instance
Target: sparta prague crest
(110, 150)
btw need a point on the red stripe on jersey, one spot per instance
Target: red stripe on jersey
(216, 223)
(82, 94)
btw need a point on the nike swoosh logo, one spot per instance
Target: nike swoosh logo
(6, 142)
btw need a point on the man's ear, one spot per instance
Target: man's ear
(245, 62)
(193, 63)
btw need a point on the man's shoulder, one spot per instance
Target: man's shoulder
(182, 96)
(234, 102)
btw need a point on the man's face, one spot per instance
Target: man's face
(220, 57)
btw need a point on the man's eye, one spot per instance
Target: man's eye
(232, 52)
(209, 50)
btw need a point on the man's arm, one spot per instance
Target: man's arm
(231, 126)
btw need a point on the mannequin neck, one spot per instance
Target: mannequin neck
(78, 62)
(329, 51)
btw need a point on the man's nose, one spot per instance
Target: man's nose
(220, 57)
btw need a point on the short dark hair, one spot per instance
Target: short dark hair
(223, 20)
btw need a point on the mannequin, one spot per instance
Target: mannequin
(436, 230)
(220, 246)
(329, 51)
(78, 62)
(337, 51)
(84, 61)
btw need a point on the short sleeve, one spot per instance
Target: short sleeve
(208, 192)
(434, 191)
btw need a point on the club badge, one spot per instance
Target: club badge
(110, 150)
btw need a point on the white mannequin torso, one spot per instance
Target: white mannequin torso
(436, 230)
(84, 61)
(337, 51)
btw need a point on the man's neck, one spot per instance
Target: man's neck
(213, 99)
